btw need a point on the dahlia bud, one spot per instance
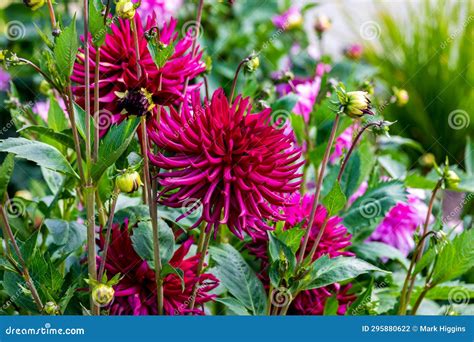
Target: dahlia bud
(51, 308)
(354, 51)
(294, 20)
(34, 4)
(354, 103)
(451, 180)
(253, 63)
(103, 294)
(125, 9)
(128, 182)
(322, 24)
(401, 96)
(427, 160)
(3, 55)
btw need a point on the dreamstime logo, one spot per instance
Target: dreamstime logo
(280, 297)
(105, 120)
(192, 29)
(370, 208)
(15, 207)
(459, 296)
(190, 207)
(15, 30)
(369, 30)
(280, 118)
(458, 119)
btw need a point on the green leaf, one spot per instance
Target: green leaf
(68, 236)
(326, 271)
(160, 53)
(239, 279)
(456, 293)
(374, 251)
(331, 306)
(234, 306)
(285, 104)
(395, 142)
(97, 27)
(351, 176)
(298, 124)
(38, 152)
(359, 306)
(290, 237)
(66, 49)
(142, 241)
(455, 259)
(168, 269)
(417, 181)
(283, 260)
(368, 209)
(56, 117)
(469, 157)
(113, 145)
(335, 200)
(61, 138)
(6, 170)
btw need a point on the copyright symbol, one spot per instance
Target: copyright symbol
(414, 328)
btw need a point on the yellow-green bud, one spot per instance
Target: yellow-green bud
(427, 160)
(253, 63)
(452, 180)
(294, 20)
(401, 96)
(34, 4)
(128, 182)
(103, 294)
(51, 308)
(125, 9)
(356, 104)
(3, 55)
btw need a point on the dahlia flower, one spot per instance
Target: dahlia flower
(231, 161)
(354, 51)
(333, 243)
(290, 19)
(135, 294)
(164, 9)
(118, 72)
(399, 225)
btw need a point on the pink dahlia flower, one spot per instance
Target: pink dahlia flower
(135, 294)
(164, 9)
(399, 225)
(231, 161)
(290, 19)
(334, 241)
(118, 72)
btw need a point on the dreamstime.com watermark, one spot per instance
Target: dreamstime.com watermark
(46, 330)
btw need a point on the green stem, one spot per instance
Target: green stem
(91, 251)
(202, 257)
(95, 153)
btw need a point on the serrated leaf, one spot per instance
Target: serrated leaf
(326, 271)
(113, 144)
(65, 49)
(335, 200)
(233, 305)
(142, 241)
(38, 152)
(97, 26)
(375, 251)
(68, 236)
(61, 138)
(160, 54)
(290, 237)
(6, 170)
(239, 279)
(56, 117)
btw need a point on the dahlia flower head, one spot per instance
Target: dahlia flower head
(164, 9)
(228, 159)
(118, 69)
(334, 241)
(290, 19)
(135, 294)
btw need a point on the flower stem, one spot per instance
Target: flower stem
(91, 251)
(54, 24)
(202, 257)
(318, 188)
(95, 153)
(24, 272)
(110, 221)
(236, 76)
(72, 119)
(351, 149)
(318, 238)
(87, 101)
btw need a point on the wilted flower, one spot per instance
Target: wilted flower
(125, 9)
(118, 71)
(229, 159)
(290, 19)
(322, 24)
(135, 293)
(354, 51)
(103, 294)
(401, 96)
(354, 103)
(128, 182)
(34, 4)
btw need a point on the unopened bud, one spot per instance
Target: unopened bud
(354, 103)
(322, 24)
(401, 96)
(34, 4)
(252, 64)
(45, 87)
(125, 9)
(452, 180)
(427, 160)
(128, 182)
(51, 308)
(103, 294)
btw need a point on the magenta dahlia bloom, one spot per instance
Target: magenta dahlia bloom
(118, 71)
(354, 51)
(399, 225)
(334, 241)
(232, 161)
(290, 19)
(135, 294)
(164, 9)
